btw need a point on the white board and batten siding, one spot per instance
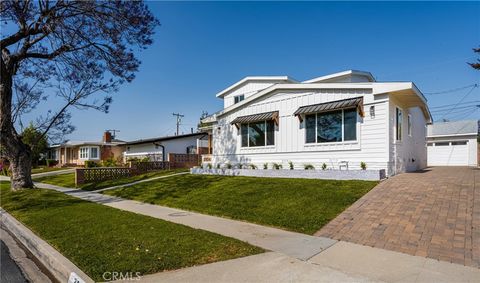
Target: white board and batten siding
(247, 90)
(371, 145)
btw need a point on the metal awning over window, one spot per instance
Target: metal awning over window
(267, 116)
(330, 106)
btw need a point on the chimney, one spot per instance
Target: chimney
(107, 136)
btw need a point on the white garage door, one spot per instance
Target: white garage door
(454, 153)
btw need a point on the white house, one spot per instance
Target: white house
(345, 117)
(157, 149)
(453, 143)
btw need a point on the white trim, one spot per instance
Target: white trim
(341, 74)
(254, 78)
(409, 125)
(453, 135)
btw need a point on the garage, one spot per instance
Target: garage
(447, 153)
(452, 143)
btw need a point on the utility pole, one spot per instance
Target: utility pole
(179, 119)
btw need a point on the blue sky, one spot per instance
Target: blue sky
(201, 48)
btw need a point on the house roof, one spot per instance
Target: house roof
(466, 127)
(368, 75)
(277, 79)
(328, 106)
(159, 139)
(267, 116)
(80, 143)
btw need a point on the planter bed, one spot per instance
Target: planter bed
(373, 175)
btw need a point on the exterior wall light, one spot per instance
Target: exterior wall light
(372, 111)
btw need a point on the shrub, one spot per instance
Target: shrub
(109, 162)
(276, 166)
(252, 166)
(228, 165)
(218, 165)
(209, 165)
(90, 164)
(324, 166)
(51, 162)
(265, 166)
(290, 164)
(308, 167)
(363, 165)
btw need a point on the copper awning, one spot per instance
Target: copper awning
(266, 116)
(330, 106)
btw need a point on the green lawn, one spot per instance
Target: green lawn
(301, 205)
(98, 238)
(68, 180)
(47, 169)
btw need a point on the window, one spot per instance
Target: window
(429, 144)
(94, 152)
(89, 152)
(442, 143)
(459, 143)
(258, 134)
(239, 98)
(335, 126)
(399, 123)
(409, 125)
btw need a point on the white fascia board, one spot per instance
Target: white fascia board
(340, 74)
(252, 78)
(452, 135)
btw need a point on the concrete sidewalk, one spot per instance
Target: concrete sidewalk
(139, 182)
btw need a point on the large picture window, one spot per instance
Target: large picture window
(334, 126)
(89, 152)
(258, 134)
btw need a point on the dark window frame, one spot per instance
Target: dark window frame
(268, 139)
(238, 98)
(315, 133)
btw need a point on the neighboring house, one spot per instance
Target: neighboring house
(453, 143)
(158, 149)
(75, 153)
(342, 117)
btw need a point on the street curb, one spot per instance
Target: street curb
(58, 265)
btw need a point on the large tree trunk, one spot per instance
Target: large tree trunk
(15, 150)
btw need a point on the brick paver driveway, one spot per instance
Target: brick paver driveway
(433, 213)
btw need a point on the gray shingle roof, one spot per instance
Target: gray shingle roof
(453, 128)
(267, 116)
(328, 106)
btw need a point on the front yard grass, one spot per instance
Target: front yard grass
(301, 205)
(98, 238)
(68, 180)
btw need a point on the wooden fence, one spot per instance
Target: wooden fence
(179, 160)
(149, 166)
(87, 175)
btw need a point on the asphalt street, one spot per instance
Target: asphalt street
(9, 270)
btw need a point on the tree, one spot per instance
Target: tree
(36, 142)
(67, 51)
(476, 65)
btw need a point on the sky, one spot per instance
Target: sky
(203, 47)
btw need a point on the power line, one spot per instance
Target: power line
(451, 90)
(456, 109)
(465, 96)
(450, 105)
